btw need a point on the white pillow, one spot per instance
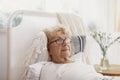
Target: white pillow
(38, 50)
(78, 57)
(34, 71)
(40, 43)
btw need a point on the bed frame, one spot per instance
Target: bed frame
(20, 38)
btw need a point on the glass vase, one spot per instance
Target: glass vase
(104, 64)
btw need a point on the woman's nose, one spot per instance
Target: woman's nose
(65, 42)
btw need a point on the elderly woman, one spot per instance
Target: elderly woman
(59, 44)
(61, 67)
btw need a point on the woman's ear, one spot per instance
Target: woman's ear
(48, 50)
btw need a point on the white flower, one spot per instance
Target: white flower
(104, 40)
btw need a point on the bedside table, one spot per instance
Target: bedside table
(114, 70)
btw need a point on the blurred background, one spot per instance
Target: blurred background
(102, 15)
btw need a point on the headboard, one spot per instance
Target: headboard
(20, 37)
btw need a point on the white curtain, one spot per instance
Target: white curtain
(48, 5)
(62, 5)
(117, 18)
(73, 23)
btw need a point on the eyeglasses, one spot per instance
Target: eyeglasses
(61, 41)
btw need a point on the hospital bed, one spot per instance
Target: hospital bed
(20, 38)
(22, 34)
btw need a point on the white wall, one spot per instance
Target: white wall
(97, 12)
(3, 56)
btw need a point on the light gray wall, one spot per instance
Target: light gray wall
(3, 56)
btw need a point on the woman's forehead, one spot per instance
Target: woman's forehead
(59, 32)
(60, 35)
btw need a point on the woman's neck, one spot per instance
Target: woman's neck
(61, 60)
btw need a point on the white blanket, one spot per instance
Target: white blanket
(69, 71)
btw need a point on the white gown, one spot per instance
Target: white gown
(69, 71)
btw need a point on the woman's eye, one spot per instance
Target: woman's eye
(59, 40)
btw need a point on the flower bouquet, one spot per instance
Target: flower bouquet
(105, 41)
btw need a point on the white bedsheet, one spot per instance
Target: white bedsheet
(69, 71)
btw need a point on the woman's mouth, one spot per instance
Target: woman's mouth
(65, 49)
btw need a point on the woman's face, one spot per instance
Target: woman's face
(60, 45)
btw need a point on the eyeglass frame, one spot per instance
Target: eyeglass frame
(63, 41)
